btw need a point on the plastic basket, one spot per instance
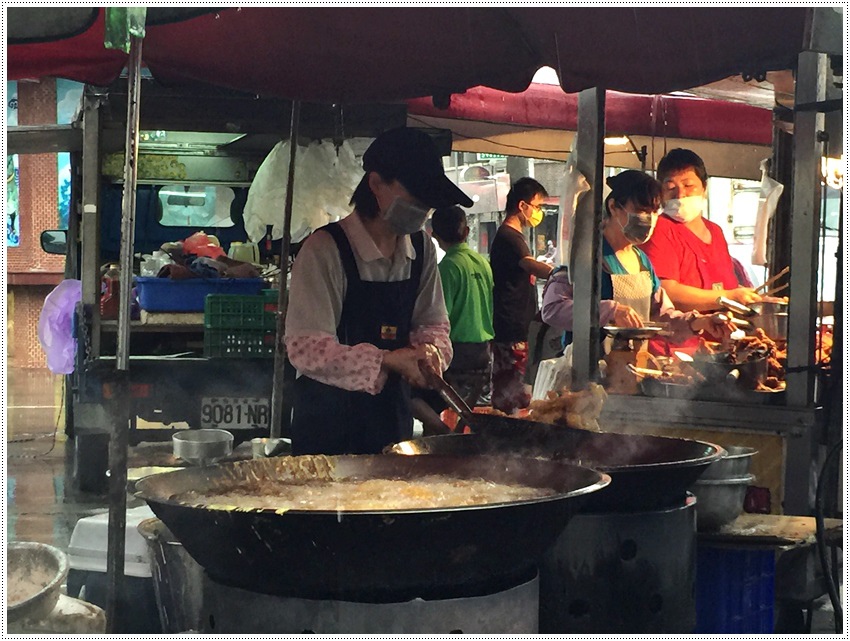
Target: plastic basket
(270, 307)
(238, 343)
(734, 590)
(238, 312)
(166, 295)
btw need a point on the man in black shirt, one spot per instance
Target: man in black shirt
(515, 294)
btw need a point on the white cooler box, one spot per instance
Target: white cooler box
(87, 574)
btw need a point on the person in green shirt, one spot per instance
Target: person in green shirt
(468, 291)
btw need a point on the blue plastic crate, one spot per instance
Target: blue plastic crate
(166, 295)
(734, 590)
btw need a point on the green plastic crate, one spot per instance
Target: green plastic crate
(236, 312)
(270, 307)
(238, 343)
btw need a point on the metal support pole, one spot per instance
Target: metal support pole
(586, 247)
(90, 224)
(120, 405)
(283, 292)
(802, 307)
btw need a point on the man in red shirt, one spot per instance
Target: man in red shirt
(688, 252)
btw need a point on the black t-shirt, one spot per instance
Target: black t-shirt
(514, 297)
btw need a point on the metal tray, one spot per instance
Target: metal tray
(637, 333)
(716, 392)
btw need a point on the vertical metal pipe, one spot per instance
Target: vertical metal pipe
(283, 292)
(120, 405)
(802, 306)
(586, 245)
(90, 224)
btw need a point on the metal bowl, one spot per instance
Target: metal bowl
(715, 370)
(772, 318)
(734, 464)
(719, 501)
(202, 447)
(34, 574)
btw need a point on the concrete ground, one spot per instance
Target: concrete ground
(41, 504)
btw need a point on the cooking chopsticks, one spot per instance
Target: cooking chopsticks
(772, 280)
(776, 290)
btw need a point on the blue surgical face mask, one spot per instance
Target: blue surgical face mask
(406, 217)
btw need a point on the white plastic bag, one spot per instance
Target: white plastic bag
(553, 374)
(769, 193)
(575, 185)
(325, 179)
(55, 326)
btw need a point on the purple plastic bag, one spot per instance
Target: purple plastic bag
(55, 326)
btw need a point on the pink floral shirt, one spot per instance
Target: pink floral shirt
(317, 291)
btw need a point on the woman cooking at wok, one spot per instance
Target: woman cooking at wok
(630, 292)
(366, 307)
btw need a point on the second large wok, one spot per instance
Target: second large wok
(647, 472)
(369, 555)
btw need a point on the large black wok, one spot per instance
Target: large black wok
(370, 555)
(647, 472)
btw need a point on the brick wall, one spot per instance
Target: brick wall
(23, 311)
(37, 206)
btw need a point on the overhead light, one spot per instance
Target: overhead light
(617, 140)
(626, 140)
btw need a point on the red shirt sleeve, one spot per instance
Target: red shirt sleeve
(664, 250)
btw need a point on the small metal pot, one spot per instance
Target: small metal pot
(733, 465)
(772, 318)
(719, 501)
(202, 447)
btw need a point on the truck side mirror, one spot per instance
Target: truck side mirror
(54, 241)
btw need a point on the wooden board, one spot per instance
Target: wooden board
(769, 529)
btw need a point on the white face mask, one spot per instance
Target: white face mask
(406, 217)
(685, 209)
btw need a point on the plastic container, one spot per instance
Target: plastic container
(734, 590)
(166, 295)
(109, 292)
(222, 311)
(87, 576)
(239, 343)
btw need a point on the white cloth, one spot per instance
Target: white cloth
(769, 193)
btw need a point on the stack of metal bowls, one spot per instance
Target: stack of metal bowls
(721, 489)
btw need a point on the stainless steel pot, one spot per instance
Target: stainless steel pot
(734, 464)
(719, 501)
(772, 318)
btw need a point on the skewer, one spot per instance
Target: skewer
(772, 279)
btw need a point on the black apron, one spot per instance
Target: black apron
(330, 420)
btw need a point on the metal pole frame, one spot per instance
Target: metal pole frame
(587, 238)
(280, 360)
(120, 405)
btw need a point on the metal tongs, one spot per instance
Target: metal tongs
(449, 394)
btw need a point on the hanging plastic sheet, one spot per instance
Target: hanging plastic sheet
(574, 186)
(325, 179)
(769, 194)
(56, 326)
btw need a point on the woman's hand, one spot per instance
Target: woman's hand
(409, 362)
(625, 316)
(743, 295)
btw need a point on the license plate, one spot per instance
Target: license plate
(235, 413)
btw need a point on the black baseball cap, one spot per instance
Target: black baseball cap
(411, 157)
